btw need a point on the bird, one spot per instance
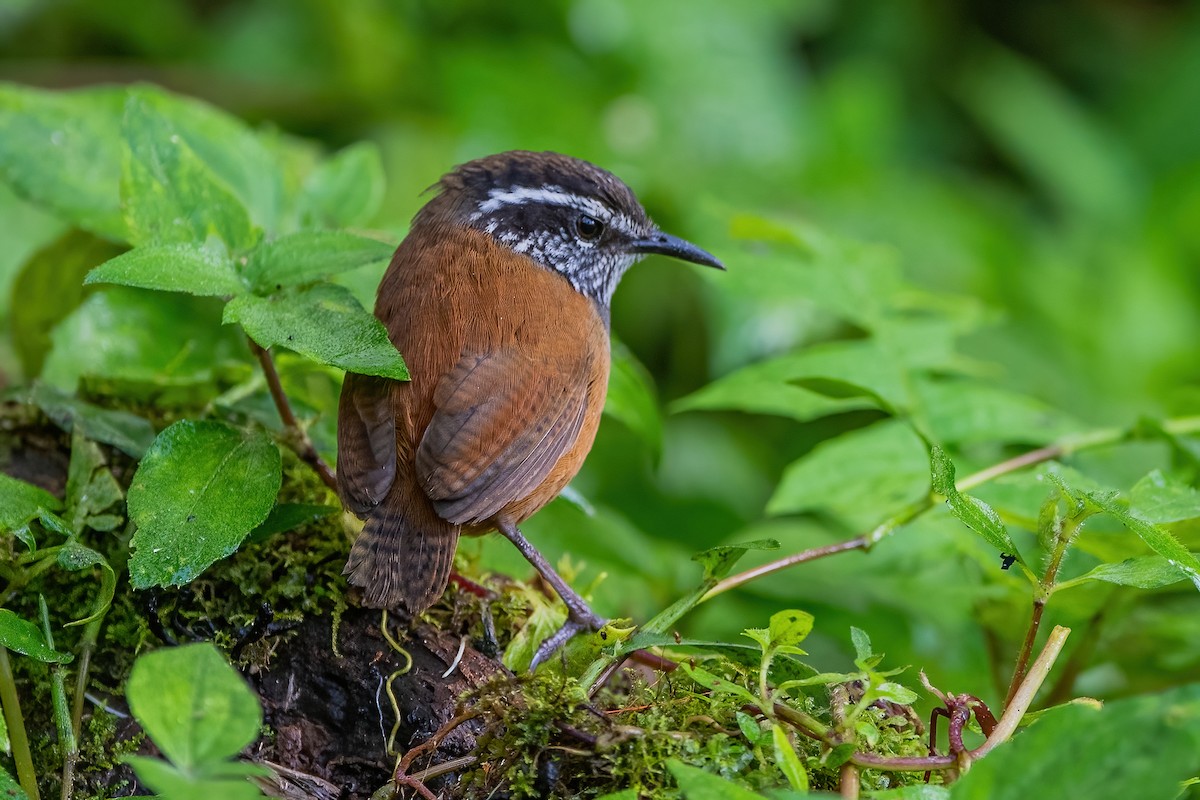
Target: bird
(499, 301)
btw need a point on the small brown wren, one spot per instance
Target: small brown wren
(498, 299)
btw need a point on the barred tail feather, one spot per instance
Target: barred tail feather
(401, 565)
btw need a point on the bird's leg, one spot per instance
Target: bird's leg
(579, 614)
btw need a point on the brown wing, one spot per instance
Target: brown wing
(366, 466)
(502, 422)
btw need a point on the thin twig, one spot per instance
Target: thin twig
(303, 444)
(17, 736)
(849, 784)
(1069, 445)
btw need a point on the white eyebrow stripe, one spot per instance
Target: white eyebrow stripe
(550, 195)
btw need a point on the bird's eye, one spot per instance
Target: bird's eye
(588, 227)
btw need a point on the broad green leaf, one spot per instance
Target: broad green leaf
(62, 150)
(1139, 747)
(199, 491)
(127, 432)
(323, 322)
(140, 336)
(187, 267)
(1158, 499)
(894, 693)
(920, 791)
(249, 163)
(48, 288)
(749, 727)
(696, 784)
(21, 501)
(1159, 540)
(1144, 572)
(309, 256)
(632, 398)
(24, 637)
(344, 191)
(624, 794)
(964, 411)
(971, 511)
(174, 783)
(861, 474)
(818, 381)
(788, 761)
(289, 516)
(169, 195)
(195, 707)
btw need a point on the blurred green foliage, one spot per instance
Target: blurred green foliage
(984, 219)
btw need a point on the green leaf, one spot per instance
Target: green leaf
(74, 557)
(964, 411)
(140, 336)
(168, 193)
(289, 516)
(860, 474)
(21, 501)
(309, 256)
(127, 432)
(1156, 498)
(895, 693)
(787, 760)
(9, 788)
(1143, 572)
(62, 150)
(1159, 540)
(201, 488)
(790, 628)
(971, 511)
(195, 707)
(188, 267)
(49, 287)
(718, 561)
(1140, 747)
(862, 644)
(919, 791)
(632, 398)
(24, 637)
(696, 784)
(344, 191)
(173, 783)
(91, 487)
(624, 794)
(749, 727)
(714, 683)
(323, 322)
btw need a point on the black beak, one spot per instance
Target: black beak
(665, 244)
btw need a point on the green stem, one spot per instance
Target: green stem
(1065, 447)
(19, 740)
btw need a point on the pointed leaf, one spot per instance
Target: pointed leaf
(323, 322)
(168, 193)
(309, 256)
(199, 491)
(696, 784)
(187, 267)
(1143, 572)
(787, 760)
(1157, 537)
(24, 637)
(971, 511)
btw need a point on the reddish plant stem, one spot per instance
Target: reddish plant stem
(302, 444)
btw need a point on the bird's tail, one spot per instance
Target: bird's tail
(401, 558)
